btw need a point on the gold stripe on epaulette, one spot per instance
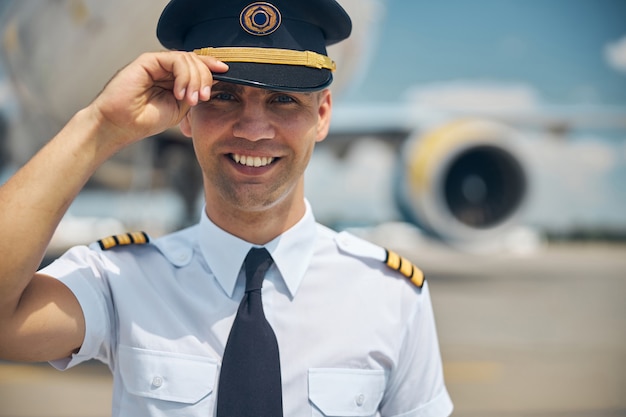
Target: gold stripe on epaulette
(405, 267)
(133, 238)
(107, 242)
(139, 238)
(124, 239)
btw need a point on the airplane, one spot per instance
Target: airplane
(460, 176)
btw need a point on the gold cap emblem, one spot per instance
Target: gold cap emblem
(260, 18)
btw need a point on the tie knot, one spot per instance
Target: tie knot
(257, 262)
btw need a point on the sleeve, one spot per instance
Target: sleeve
(416, 386)
(83, 271)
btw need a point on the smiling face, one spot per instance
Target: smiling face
(253, 146)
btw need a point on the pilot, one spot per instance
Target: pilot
(257, 310)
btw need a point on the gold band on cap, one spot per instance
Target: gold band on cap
(270, 56)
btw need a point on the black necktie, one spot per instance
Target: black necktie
(250, 384)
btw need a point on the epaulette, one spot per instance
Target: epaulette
(132, 238)
(405, 267)
(359, 247)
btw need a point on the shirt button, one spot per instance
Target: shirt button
(157, 381)
(359, 400)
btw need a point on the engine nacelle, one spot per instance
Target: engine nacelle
(463, 182)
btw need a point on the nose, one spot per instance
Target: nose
(253, 123)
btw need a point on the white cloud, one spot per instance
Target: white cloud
(615, 54)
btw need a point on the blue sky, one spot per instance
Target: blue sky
(557, 46)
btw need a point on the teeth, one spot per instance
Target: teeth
(252, 161)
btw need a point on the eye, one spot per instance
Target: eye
(284, 98)
(224, 96)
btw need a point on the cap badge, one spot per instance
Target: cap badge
(260, 18)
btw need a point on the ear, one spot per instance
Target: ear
(324, 113)
(185, 124)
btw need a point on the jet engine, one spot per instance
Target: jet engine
(463, 182)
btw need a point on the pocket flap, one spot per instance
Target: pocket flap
(346, 392)
(166, 375)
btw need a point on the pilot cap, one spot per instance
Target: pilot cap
(278, 45)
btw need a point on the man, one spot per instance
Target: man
(349, 333)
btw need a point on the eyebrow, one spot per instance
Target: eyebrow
(226, 86)
(238, 88)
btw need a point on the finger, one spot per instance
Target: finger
(195, 79)
(206, 81)
(213, 63)
(191, 74)
(178, 66)
(209, 65)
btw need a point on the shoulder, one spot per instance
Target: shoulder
(353, 246)
(176, 247)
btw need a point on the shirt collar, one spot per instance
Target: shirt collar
(292, 251)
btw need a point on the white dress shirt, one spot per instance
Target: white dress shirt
(355, 337)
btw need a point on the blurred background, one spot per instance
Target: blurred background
(484, 140)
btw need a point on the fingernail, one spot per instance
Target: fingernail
(206, 92)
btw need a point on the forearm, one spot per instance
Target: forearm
(35, 199)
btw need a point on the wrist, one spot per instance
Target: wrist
(102, 138)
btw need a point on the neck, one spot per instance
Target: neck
(258, 226)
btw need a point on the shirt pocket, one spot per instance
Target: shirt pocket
(345, 392)
(153, 377)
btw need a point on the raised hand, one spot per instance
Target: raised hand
(153, 93)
